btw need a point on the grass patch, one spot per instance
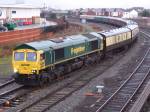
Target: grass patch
(6, 60)
(6, 65)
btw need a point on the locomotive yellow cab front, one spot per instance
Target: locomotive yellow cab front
(25, 61)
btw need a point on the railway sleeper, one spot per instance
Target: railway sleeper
(110, 109)
(56, 97)
(35, 109)
(120, 97)
(126, 92)
(133, 84)
(118, 101)
(128, 88)
(143, 70)
(136, 80)
(43, 104)
(79, 82)
(146, 66)
(53, 100)
(67, 89)
(63, 92)
(138, 76)
(115, 105)
(84, 78)
(60, 95)
(76, 85)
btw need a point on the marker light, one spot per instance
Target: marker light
(15, 70)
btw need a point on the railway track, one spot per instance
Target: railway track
(7, 83)
(8, 91)
(124, 96)
(58, 95)
(146, 35)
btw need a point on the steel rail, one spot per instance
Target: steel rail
(99, 109)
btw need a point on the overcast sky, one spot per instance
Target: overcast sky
(72, 4)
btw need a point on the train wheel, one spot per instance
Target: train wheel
(41, 83)
(68, 69)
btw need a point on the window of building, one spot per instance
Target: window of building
(13, 12)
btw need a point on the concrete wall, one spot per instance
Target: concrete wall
(20, 36)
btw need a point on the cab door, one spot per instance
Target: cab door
(48, 58)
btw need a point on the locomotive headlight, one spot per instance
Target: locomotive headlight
(33, 71)
(15, 70)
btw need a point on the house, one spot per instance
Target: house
(116, 12)
(130, 14)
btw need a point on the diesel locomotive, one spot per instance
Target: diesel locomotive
(40, 62)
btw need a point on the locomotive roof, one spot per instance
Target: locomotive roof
(132, 26)
(113, 18)
(59, 42)
(106, 17)
(114, 32)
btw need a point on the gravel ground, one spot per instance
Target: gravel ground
(146, 107)
(108, 79)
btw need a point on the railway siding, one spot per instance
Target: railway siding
(116, 81)
(122, 97)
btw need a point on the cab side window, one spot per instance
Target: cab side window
(42, 56)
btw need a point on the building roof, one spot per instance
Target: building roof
(28, 6)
